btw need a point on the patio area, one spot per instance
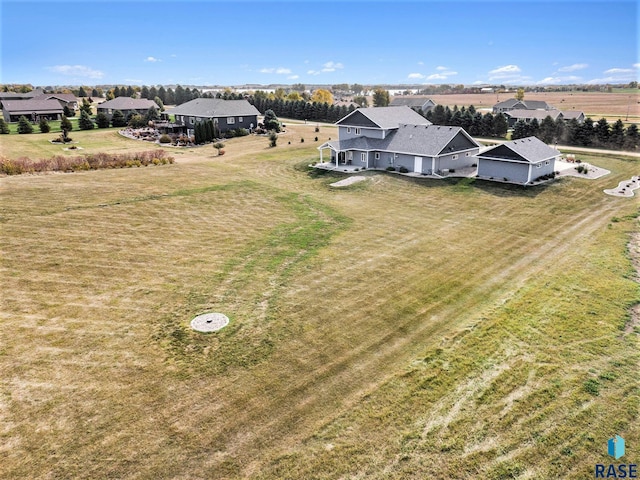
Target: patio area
(331, 166)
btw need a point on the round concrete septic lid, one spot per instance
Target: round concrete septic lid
(209, 322)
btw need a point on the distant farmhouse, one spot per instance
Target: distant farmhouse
(414, 102)
(225, 114)
(127, 106)
(400, 138)
(519, 161)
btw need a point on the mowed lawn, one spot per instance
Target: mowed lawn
(394, 329)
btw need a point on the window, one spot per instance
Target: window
(547, 162)
(357, 131)
(348, 129)
(467, 154)
(231, 120)
(240, 119)
(377, 155)
(192, 120)
(349, 155)
(363, 157)
(539, 165)
(454, 157)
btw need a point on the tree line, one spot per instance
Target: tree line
(473, 122)
(301, 109)
(598, 134)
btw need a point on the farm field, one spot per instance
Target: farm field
(595, 104)
(393, 329)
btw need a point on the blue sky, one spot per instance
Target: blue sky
(514, 42)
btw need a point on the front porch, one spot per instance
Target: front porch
(460, 173)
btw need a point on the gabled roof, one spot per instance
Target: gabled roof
(65, 97)
(383, 117)
(27, 107)
(410, 101)
(569, 114)
(128, 103)
(421, 140)
(214, 107)
(537, 114)
(523, 104)
(526, 150)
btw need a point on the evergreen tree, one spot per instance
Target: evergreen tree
(520, 130)
(179, 95)
(631, 137)
(447, 116)
(438, 115)
(456, 119)
(162, 93)
(85, 122)
(585, 132)
(86, 106)
(602, 131)
(24, 125)
(130, 92)
(547, 129)
(151, 115)
(95, 93)
(68, 112)
(102, 120)
(82, 93)
(117, 119)
(170, 97)
(500, 125)
(158, 101)
(117, 93)
(534, 128)
(271, 121)
(153, 93)
(617, 135)
(144, 92)
(4, 128)
(476, 125)
(43, 125)
(197, 129)
(65, 124)
(560, 130)
(486, 129)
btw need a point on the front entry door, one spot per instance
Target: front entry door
(417, 164)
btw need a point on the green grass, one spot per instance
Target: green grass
(397, 329)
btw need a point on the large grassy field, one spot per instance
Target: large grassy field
(394, 329)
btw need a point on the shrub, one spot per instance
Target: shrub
(391, 169)
(241, 132)
(403, 170)
(165, 138)
(85, 122)
(44, 126)
(592, 386)
(317, 129)
(102, 120)
(273, 139)
(24, 126)
(4, 128)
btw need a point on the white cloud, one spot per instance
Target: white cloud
(327, 67)
(278, 71)
(152, 59)
(573, 68)
(76, 71)
(293, 77)
(636, 65)
(507, 69)
(415, 75)
(420, 63)
(441, 68)
(332, 66)
(437, 76)
(559, 80)
(614, 71)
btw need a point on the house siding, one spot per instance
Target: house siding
(343, 134)
(513, 172)
(447, 162)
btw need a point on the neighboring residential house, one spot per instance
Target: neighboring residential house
(225, 114)
(33, 109)
(126, 105)
(20, 96)
(399, 137)
(411, 101)
(514, 104)
(527, 116)
(519, 161)
(65, 99)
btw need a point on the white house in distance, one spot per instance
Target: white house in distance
(399, 138)
(519, 161)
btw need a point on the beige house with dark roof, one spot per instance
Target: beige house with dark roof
(34, 109)
(126, 105)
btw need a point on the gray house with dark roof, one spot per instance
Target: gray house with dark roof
(33, 109)
(66, 99)
(398, 137)
(127, 106)
(514, 104)
(520, 161)
(225, 114)
(414, 102)
(527, 116)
